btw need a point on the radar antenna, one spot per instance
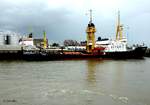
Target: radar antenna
(90, 16)
(119, 32)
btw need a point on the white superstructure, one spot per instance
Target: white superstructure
(26, 42)
(113, 45)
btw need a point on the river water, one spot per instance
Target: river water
(75, 82)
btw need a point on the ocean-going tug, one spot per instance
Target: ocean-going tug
(119, 48)
(91, 51)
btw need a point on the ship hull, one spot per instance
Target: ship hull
(138, 52)
(47, 57)
(11, 55)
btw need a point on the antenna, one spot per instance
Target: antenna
(118, 18)
(30, 29)
(90, 15)
(118, 26)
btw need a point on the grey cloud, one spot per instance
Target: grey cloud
(62, 23)
(36, 16)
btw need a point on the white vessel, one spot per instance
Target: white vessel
(118, 48)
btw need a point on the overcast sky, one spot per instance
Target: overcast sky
(66, 19)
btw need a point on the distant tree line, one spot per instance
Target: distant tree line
(71, 43)
(55, 45)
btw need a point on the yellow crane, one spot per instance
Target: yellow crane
(90, 35)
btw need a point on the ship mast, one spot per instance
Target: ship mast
(90, 35)
(119, 32)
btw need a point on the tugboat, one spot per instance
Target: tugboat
(119, 48)
(90, 50)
